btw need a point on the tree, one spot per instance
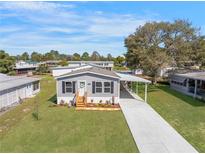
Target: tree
(118, 61)
(158, 44)
(43, 68)
(25, 56)
(109, 57)
(55, 54)
(179, 39)
(6, 62)
(145, 51)
(199, 57)
(49, 56)
(36, 56)
(95, 56)
(63, 63)
(85, 56)
(76, 57)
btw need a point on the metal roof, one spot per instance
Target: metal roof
(68, 67)
(104, 72)
(193, 75)
(92, 70)
(9, 82)
(129, 77)
(74, 62)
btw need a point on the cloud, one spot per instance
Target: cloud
(33, 6)
(120, 25)
(43, 26)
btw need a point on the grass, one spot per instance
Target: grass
(62, 129)
(185, 114)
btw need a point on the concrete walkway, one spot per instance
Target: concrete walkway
(150, 131)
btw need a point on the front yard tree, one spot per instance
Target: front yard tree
(200, 54)
(180, 41)
(145, 49)
(159, 44)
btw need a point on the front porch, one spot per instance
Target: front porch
(127, 84)
(196, 88)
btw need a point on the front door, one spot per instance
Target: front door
(81, 88)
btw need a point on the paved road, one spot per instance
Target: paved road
(150, 131)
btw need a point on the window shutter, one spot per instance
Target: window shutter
(63, 87)
(73, 86)
(93, 87)
(112, 87)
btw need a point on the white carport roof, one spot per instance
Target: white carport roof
(128, 77)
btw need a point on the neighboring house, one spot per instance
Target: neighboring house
(75, 65)
(24, 67)
(94, 84)
(57, 71)
(164, 72)
(104, 64)
(192, 84)
(13, 89)
(51, 63)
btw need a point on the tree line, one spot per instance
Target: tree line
(157, 45)
(55, 55)
(7, 62)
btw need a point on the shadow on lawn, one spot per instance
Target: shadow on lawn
(53, 99)
(183, 97)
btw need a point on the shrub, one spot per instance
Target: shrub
(35, 115)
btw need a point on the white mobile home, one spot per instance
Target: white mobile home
(192, 84)
(13, 89)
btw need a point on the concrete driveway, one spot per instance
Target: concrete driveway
(150, 131)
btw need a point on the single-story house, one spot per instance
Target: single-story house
(13, 89)
(57, 71)
(93, 84)
(24, 67)
(103, 64)
(192, 84)
(75, 65)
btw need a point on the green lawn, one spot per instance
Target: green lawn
(62, 129)
(184, 113)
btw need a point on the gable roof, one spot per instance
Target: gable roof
(15, 81)
(92, 70)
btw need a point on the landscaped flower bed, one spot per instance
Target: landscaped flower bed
(102, 105)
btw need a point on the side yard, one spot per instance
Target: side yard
(183, 112)
(62, 129)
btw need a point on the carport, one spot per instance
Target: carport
(125, 78)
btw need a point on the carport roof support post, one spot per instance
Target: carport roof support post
(145, 99)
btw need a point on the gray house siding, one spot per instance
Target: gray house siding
(88, 78)
(13, 95)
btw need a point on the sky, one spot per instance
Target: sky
(71, 27)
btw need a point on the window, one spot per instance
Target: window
(68, 87)
(98, 86)
(35, 86)
(107, 87)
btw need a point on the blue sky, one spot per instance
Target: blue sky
(84, 26)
